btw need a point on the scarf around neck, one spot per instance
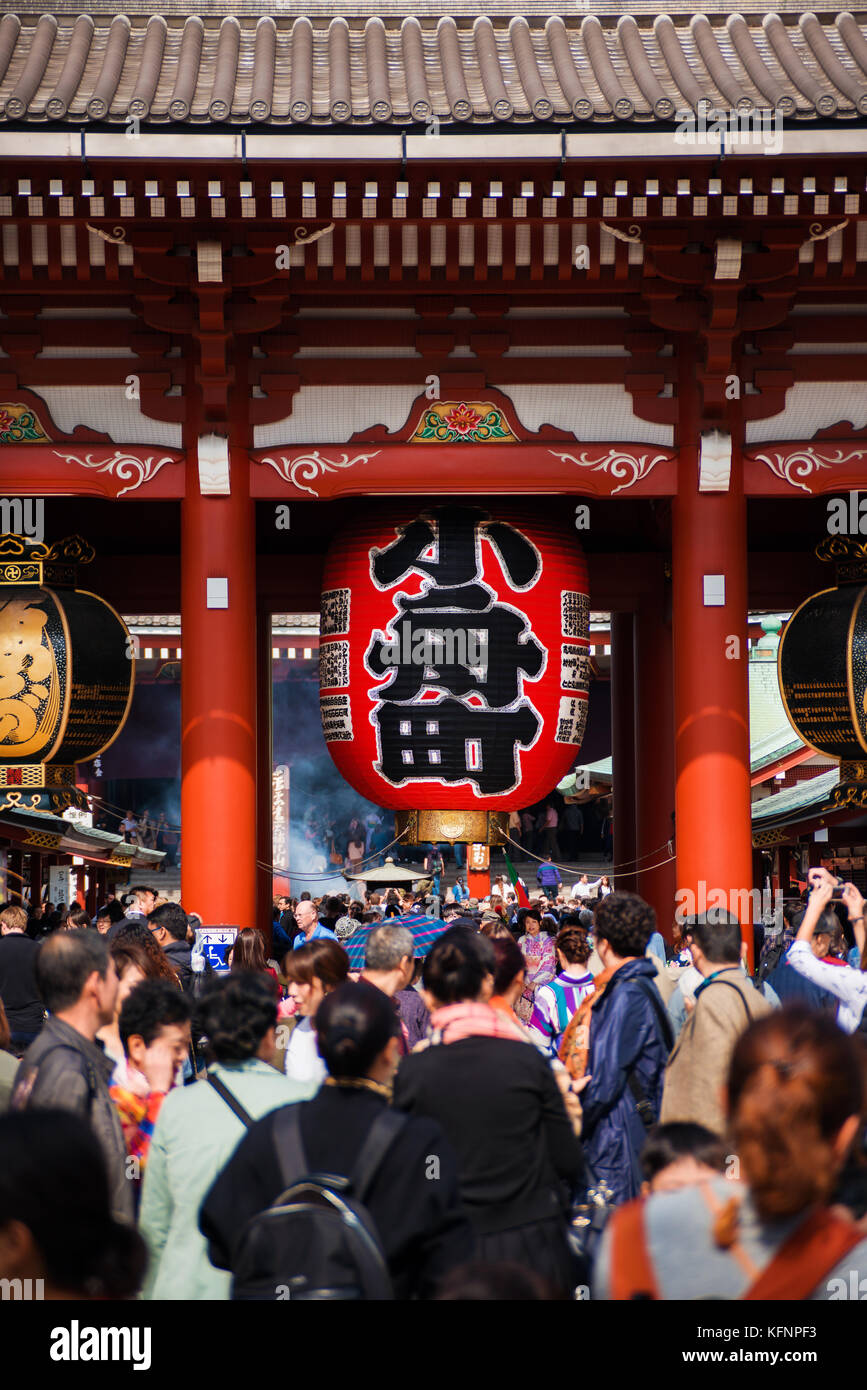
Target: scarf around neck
(469, 1019)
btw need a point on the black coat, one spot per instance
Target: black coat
(136, 919)
(413, 1200)
(178, 955)
(501, 1109)
(63, 1070)
(24, 1008)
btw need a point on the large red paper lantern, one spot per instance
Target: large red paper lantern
(454, 661)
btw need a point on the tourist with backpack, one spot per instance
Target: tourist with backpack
(629, 1042)
(796, 1103)
(725, 1003)
(555, 1003)
(199, 1126)
(341, 1197)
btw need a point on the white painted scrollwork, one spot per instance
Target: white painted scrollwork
(793, 464)
(618, 462)
(312, 466)
(121, 466)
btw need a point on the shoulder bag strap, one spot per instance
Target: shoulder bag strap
(804, 1260)
(632, 1275)
(232, 1101)
(381, 1135)
(289, 1145)
(731, 985)
(801, 1262)
(651, 993)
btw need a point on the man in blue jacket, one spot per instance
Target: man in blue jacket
(630, 1039)
(548, 875)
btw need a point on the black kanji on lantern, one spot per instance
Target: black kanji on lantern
(456, 539)
(454, 636)
(454, 742)
(484, 654)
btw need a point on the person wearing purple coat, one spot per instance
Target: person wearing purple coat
(413, 1015)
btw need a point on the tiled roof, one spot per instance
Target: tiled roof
(372, 71)
(83, 840)
(795, 803)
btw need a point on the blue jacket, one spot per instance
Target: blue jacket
(548, 875)
(625, 1036)
(790, 987)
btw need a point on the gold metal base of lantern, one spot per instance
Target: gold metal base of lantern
(853, 772)
(47, 787)
(37, 775)
(464, 827)
(851, 790)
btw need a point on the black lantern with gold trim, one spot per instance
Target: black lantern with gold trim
(822, 668)
(66, 673)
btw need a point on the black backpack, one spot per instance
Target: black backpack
(317, 1240)
(770, 959)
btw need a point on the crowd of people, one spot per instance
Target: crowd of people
(513, 1102)
(151, 832)
(555, 828)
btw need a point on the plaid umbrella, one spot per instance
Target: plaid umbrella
(425, 931)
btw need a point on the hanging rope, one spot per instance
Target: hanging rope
(610, 869)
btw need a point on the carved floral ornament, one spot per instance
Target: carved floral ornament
(619, 463)
(793, 466)
(463, 422)
(19, 424)
(121, 465)
(312, 466)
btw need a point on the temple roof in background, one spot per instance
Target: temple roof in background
(328, 67)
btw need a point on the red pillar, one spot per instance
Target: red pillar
(654, 755)
(711, 692)
(218, 701)
(623, 749)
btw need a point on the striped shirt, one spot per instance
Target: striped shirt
(553, 1007)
